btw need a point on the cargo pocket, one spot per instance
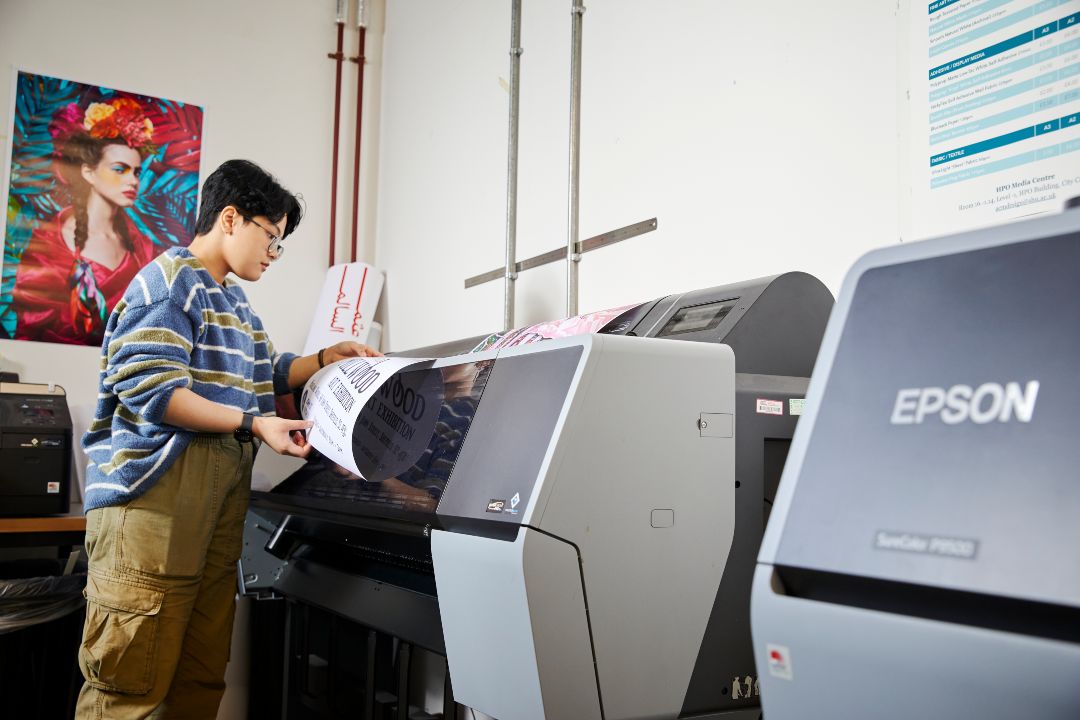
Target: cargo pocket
(120, 637)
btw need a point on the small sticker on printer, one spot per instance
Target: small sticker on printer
(779, 661)
(52, 488)
(770, 407)
(796, 406)
(496, 506)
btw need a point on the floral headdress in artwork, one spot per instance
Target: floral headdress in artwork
(121, 118)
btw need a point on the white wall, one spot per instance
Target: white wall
(763, 137)
(260, 70)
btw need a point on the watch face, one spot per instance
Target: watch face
(243, 435)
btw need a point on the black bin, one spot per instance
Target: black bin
(41, 621)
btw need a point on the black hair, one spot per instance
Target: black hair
(252, 191)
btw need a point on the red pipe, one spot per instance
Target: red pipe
(359, 60)
(338, 57)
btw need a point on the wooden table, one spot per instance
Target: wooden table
(54, 530)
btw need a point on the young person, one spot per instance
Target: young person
(188, 377)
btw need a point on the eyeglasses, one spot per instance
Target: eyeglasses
(276, 246)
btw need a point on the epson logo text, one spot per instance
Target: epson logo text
(987, 403)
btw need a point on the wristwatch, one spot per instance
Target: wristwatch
(243, 433)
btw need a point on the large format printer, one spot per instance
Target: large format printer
(579, 536)
(923, 559)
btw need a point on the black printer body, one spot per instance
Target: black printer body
(35, 450)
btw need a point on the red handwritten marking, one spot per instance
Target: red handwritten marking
(339, 305)
(356, 315)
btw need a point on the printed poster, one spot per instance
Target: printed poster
(371, 418)
(613, 320)
(995, 111)
(99, 182)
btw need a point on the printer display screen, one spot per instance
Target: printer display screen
(417, 488)
(697, 318)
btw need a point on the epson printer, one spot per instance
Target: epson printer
(923, 556)
(579, 536)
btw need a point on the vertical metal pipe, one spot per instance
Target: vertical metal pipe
(337, 57)
(361, 32)
(512, 166)
(577, 10)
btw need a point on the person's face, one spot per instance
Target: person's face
(116, 177)
(248, 250)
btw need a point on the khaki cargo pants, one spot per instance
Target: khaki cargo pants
(160, 593)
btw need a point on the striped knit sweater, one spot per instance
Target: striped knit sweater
(175, 327)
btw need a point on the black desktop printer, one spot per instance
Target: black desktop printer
(35, 450)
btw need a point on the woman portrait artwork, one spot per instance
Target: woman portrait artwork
(101, 183)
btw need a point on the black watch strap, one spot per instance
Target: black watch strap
(243, 433)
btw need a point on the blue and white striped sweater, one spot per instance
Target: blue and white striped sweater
(175, 327)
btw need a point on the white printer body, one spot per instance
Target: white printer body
(586, 538)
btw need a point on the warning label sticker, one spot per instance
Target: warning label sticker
(770, 407)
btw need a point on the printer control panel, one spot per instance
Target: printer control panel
(33, 412)
(37, 412)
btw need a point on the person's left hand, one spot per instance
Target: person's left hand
(348, 349)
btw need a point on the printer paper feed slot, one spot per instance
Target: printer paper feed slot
(405, 439)
(336, 398)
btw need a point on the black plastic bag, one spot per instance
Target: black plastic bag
(31, 601)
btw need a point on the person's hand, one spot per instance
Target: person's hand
(283, 436)
(346, 350)
(302, 370)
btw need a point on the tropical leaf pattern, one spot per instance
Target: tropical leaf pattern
(166, 207)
